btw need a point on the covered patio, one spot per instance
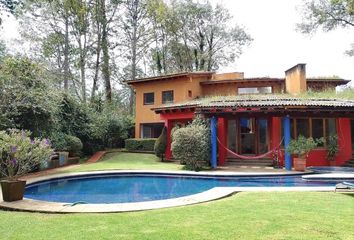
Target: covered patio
(252, 125)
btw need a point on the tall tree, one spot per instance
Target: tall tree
(327, 15)
(135, 40)
(194, 36)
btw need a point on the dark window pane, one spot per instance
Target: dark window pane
(167, 96)
(149, 98)
(302, 127)
(146, 131)
(151, 130)
(317, 129)
(263, 135)
(231, 135)
(331, 128)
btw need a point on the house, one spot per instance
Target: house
(251, 116)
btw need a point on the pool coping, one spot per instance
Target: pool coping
(206, 196)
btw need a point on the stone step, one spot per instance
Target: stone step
(249, 162)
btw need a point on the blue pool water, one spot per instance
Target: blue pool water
(122, 188)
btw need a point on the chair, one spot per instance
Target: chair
(345, 186)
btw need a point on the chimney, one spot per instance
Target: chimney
(295, 79)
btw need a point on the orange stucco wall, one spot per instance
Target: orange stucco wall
(180, 86)
(295, 79)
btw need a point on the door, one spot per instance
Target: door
(247, 136)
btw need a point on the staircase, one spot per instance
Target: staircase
(349, 163)
(249, 162)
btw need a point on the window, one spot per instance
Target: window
(167, 96)
(313, 127)
(254, 90)
(302, 127)
(149, 98)
(190, 93)
(151, 130)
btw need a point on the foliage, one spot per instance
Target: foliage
(65, 142)
(161, 144)
(3, 50)
(332, 147)
(302, 146)
(25, 100)
(194, 36)
(191, 144)
(140, 144)
(328, 15)
(19, 154)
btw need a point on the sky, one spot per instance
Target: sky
(277, 46)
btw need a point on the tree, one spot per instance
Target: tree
(26, 101)
(8, 6)
(136, 38)
(328, 15)
(194, 36)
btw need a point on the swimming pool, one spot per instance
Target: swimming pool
(140, 187)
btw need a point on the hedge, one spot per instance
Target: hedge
(140, 144)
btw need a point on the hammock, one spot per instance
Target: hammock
(250, 157)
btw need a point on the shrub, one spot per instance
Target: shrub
(140, 144)
(65, 142)
(58, 140)
(19, 154)
(74, 145)
(332, 147)
(161, 143)
(191, 144)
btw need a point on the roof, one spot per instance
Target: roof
(169, 76)
(259, 101)
(337, 81)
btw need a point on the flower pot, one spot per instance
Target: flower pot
(12, 190)
(299, 164)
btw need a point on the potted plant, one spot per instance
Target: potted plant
(19, 154)
(332, 149)
(302, 147)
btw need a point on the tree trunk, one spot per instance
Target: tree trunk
(66, 56)
(105, 66)
(98, 51)
(133, 49)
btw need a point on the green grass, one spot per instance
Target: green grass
(242, 216)
(124, 160)
(293, 215)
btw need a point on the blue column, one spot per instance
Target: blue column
(214, 142)
(286, 130)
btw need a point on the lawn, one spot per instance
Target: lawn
(123, 160)
(293, 215)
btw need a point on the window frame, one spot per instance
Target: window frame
(164, 100)
(144, 98)
(309, 119)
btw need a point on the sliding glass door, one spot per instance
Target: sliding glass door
(248, 136)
